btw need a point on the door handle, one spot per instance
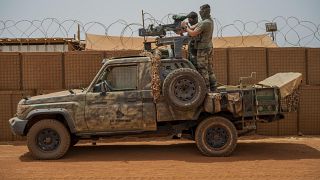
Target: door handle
(132, 99)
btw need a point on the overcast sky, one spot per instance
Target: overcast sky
(108, 11)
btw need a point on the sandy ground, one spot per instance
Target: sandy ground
(254, 158)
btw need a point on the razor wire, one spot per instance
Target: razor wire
(292, 31)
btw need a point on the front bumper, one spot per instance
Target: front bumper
(17, 125)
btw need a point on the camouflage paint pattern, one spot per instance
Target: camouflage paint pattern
(149, 111)
(114, 111)
(144, 75)
(72, 103)
(165, 112)
(126, 110)
(205, 68)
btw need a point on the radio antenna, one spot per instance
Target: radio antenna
(144, 37)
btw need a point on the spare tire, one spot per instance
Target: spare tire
(184, 89)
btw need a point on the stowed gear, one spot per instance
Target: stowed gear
(155, 73)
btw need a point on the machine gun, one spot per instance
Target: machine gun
(160, 31)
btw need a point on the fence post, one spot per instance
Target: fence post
(228, 66)
(63, 70)
(21, 71)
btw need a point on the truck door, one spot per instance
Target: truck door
(120, 108)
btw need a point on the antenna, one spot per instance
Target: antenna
(146, 45)
(144, 37)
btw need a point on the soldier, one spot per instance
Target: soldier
(204, 29)
(192, 51)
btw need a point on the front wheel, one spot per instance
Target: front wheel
(48, 139)
(216, 136)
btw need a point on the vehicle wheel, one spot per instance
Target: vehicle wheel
(48, 139)
(74, 140)
(216, 136)
(184, 89)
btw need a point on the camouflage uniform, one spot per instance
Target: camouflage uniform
(192, 51)
(205, 52)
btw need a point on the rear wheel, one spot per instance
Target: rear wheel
(48, 139)
(216, 136)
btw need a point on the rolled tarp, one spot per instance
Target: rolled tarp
(287, 82)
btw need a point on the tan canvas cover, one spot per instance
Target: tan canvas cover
(262, 40)
(106, 43)
(287, 82)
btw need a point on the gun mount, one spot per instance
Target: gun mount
(176, 42)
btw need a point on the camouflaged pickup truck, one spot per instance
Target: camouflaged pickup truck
(119, 102)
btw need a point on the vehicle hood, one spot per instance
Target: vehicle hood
(62, 96)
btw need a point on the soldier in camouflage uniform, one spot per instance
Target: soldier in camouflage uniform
(192, 51)
(204, 46)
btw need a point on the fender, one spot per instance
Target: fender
(60, 111)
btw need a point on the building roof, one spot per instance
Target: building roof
(39, 44)
(19, 41)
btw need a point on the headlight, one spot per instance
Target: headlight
(22, 108)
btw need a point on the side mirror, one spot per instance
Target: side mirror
(103, 88)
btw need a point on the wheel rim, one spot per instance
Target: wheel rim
(184, 89)
(217, 137)
(48, 140)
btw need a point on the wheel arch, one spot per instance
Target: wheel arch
(226, 114)
(60, 115)
(204, 115)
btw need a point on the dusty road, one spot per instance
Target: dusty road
(254, 158)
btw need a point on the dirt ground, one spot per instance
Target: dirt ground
(254, 158)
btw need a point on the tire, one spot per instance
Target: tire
(184, 89)
(48, 139)
(225, 137)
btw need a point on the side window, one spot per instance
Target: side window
(122, 77)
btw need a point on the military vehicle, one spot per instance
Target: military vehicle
(120, 101)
